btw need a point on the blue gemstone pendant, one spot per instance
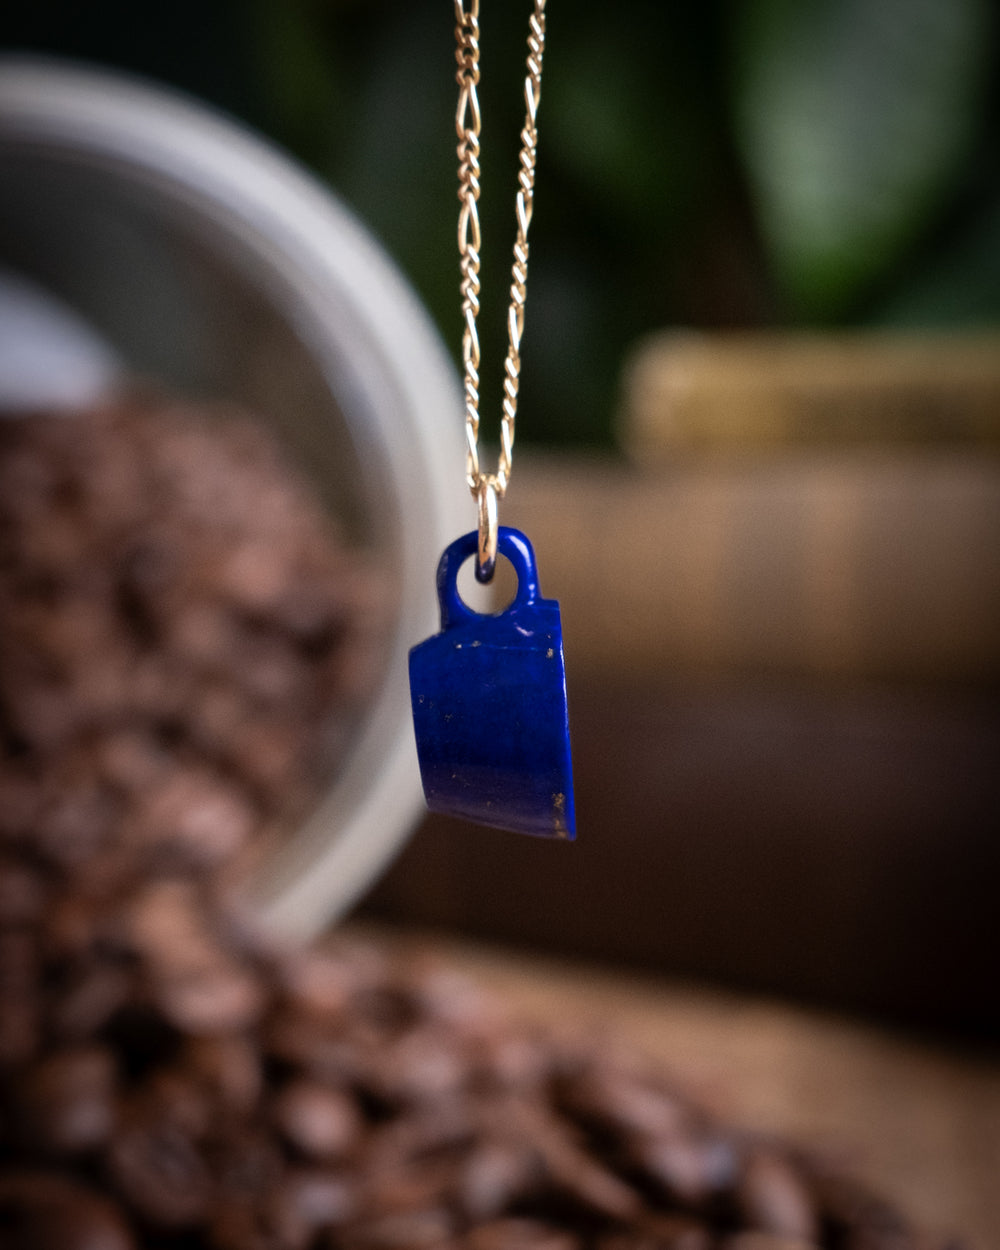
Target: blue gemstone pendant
(489, 703)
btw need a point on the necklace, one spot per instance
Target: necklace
(489, 691)
(487, 488)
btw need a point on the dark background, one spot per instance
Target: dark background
(671, 182)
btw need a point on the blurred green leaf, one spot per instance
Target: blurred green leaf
(296, 74)
(627, 118)
(958, 286)
(600, 127)
(852, 117)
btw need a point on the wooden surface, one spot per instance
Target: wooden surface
(918, 1120)
(836, 847)
(817, 563)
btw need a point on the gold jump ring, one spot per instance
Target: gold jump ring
(487, 558)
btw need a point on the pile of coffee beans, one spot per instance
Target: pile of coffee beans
(185, 641)
(168, 1079)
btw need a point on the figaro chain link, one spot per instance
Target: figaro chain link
(488, 487)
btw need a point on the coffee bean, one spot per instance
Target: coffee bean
(426, 1228)
(20, 1004)
(424, 1065)
(157, 1170)
(211, 1000)
(266, 750)
(446, 1129)
(229, 1070)
(246, 1158)
(19, 1029)
(67, 1101)
(689, 1170)
(409, 1184)
(89, 1001)
(72, 928)
(315, 1199)
(520, 1234)
(171, 1095)
(45, 1211)
(195, 816)
(568, 1167)
(317, 983)
(73, 827)
(773, 1241)
(251, 1225)
(857, 1212)
(311, 613)
(304, 1042)
(132, 759)
(497, 1176)
(22, 892)
(662, 1232)
(320, 1122)
(20, 795)
(773, 1197)
(275, 1221)
(515, 1061)
(444, 996)
(616, 1102)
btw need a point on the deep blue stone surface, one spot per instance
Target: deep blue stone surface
(489, 703)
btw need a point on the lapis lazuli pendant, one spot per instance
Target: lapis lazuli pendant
(489, 703)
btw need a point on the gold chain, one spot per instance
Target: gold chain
(487, 488)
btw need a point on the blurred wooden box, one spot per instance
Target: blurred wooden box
(783, 650)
